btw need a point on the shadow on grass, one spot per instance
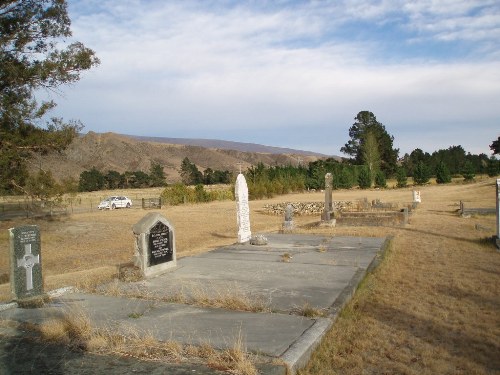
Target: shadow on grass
(476, 241)
(29, 355)
(219, 235)
(478, 350)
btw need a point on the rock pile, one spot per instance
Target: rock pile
(305, 208)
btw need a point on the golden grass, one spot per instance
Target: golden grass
(75, 329)
(431, 306)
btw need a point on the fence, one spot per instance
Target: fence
(16, 207)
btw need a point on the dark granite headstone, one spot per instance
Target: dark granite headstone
(154, 245)
(26, 262)
(159, 249)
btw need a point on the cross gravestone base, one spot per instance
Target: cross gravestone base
(154, 245)
(26, 266)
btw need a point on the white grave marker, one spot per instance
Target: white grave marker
(242, 209)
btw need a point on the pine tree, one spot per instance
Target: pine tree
(31, 34)
(443, 175)
(365, 178)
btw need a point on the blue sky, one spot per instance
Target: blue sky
(291, 73)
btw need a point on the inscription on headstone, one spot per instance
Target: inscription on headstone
(154, 245)
(242, 209)
(26, 265)
(159, 245)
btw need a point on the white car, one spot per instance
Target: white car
(115, 202)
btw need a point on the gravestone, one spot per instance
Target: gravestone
(26, 263)
(288, 224)
(498, 214)
(416, 196)
(328, 215)
(155, 250)
(242, 209)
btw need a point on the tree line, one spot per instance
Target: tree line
(33, 57)
(94, 180)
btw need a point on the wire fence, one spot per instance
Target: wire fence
(30, 208)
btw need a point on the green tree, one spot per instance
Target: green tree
(468, 171)
(401, 178)
(92, 180)
(493, 167)
(113, 179)
(140, 179)
(365, 178)
(157, 175)
(421, 174)
(366, 123)
(42, 187)
(443, 175)
(31, 32)
(495, 146)
(189, 173)
(370, 153)
(411, 161)
(380, 180)
(209, 176)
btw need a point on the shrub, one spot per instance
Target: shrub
(468, 171)
(421, 174)
(401, 178)
(380, 180)
(443, 175)
(365, 178)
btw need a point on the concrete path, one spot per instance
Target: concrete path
(290, 272)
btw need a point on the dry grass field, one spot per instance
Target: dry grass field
(431, 307)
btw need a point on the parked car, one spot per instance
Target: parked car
(115, 202)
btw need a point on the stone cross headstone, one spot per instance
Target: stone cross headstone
(242, 209)
(26, 263)
(288, 224)
(326, 216)
(155, 250)
(498, 214)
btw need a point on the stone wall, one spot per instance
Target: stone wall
(307, 208)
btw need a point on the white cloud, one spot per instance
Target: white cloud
(176, 68)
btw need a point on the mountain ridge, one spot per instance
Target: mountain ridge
(226, 145)
(121, 153)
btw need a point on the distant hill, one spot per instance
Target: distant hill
(226, 145)
(110, 151)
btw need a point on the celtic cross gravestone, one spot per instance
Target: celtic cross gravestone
(26, 264)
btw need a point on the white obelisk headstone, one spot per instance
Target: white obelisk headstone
(242, 209)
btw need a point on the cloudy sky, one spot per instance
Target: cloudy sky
(291, 73)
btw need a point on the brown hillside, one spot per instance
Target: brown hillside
(111, 151)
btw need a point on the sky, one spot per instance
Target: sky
(290, 73)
